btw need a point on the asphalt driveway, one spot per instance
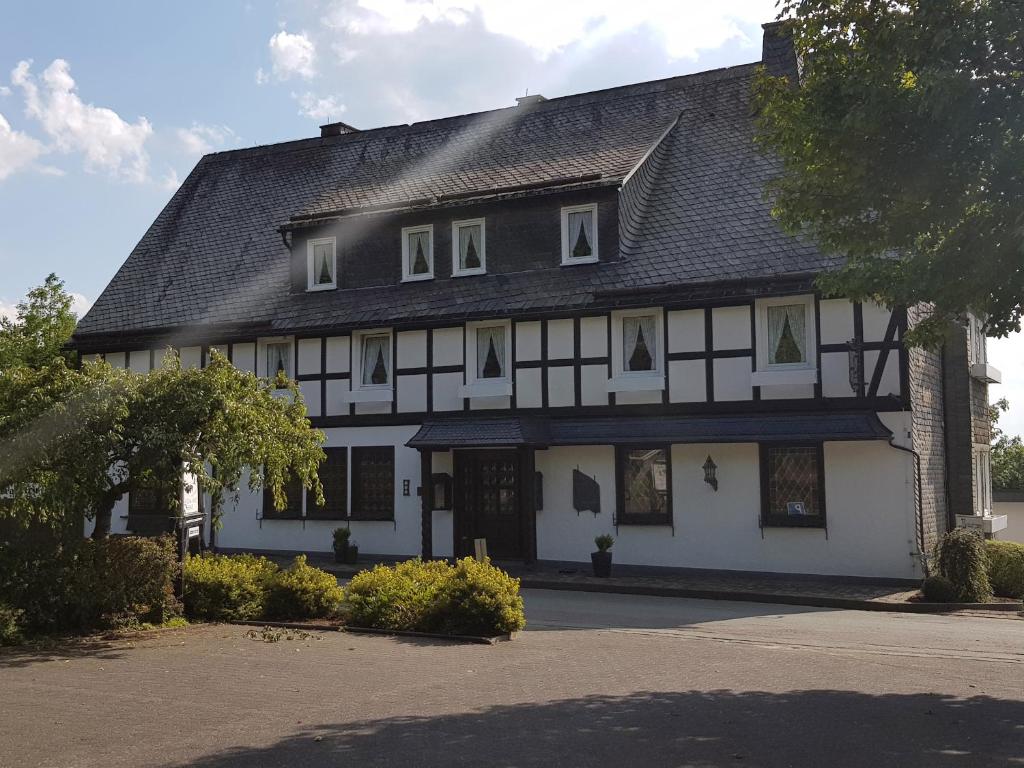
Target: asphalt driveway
(598, 680)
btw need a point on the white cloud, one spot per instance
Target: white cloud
(4, 90)
(80, 304)
(202, 139)
(107, 142)
(17, 150)
(319, 107)
(8, 310)
(548, 27)
(170, 181)
(291, 55)
(262, 78)
(1008, 356)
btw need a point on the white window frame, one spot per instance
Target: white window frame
(407, 275)
(785, 373)
(482, 269)
(370, 393)
(637, 381)
(567, 257)
(983, 479)
(976, 352)
(477, 387)
(261, 354)
(311, 284)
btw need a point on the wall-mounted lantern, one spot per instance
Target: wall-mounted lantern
(441, 487)
(710, 468)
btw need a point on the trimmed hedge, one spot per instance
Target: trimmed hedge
(1006, 568)
(303, 592)
(938, 589)
(227, 587)
(960, 557)
(469, 598)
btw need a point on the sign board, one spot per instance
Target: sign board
(796, 508)
(480, 549)
(971, 522)
(190, 496)
(193, 532)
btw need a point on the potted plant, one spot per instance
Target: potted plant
(341, 544)
(602, 559)
(352, 553)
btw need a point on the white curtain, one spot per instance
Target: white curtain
(582, 220)
(777, 317)
(277, 359)
(466, 236)
(376, 353)
(421, 241)
(631, 329)
(485, 339)
(323, 271)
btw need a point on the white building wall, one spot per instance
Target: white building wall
(1014, 511)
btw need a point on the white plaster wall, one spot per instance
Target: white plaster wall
(687, 382)
(527, 341)
(594, 385)
(869, 501)
(412, 349)
(446, 391)
(560, 339)
(443, 528)
(732, 379)
(448, 346)
(242, 529)
(243, 356)
(191, 357)
(876, 320)
(309, 356)
(594, 337)
(338, 354)
(730, 327)
(686, 331)
(311, 395)
(561, 386)
(138, 361)
(1014, 511)
(836, 318)
(528, 384)
(412, 393)
(116, 359)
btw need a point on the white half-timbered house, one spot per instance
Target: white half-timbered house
(538, 324)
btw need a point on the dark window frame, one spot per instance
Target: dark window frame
(336, 502)
(621, 517)
(288, 513)
(769, 520)
(356, 512)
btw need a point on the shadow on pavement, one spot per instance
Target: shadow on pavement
(692, 728)
(59, 649)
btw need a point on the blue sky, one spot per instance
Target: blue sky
(105, 107)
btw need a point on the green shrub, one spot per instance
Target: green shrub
(400, 597)
(1006, 568)
(938, 589)
(604, 542)
(303, 592)
(10, 625)
(341, 539)
(960, 557)
(227, 587)
(470, 598)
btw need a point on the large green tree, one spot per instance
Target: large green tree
(76, 441)
(1007, 453)
(43, 324)
(903, 151)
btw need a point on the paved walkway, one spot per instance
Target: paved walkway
(597, 680)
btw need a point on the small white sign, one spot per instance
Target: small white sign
(190, 496)
(971, 522)
(796, 508)
(193, 531)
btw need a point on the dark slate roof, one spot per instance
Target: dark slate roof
(483, 431)
(692, 213)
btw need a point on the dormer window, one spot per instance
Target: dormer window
(322, 264)
(417, 253)
(468, 257)
(579, 234)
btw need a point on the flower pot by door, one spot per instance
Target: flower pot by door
(351, 554)
(340, 555)
(602, 562)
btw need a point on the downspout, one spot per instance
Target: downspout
(918, 511)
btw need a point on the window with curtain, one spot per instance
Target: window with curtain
(581, 234)
(787, 334)
(420, 258)
(323, 264)
(373, 483)
(792, 485)
(639, 344)
(644, 488)
(471, 249)
(490, 352)
(279, 359)
(376, 360)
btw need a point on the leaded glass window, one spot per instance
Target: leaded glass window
(644, 488)
(793, 485)
(490, 352)
(376, 360)
(787, 334)
(293, 506)
(334, 479)
(639, 344)
(373, 483)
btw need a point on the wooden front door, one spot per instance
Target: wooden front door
(486, 496)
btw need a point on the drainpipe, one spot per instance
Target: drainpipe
(918, 513)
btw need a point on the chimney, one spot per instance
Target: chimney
(336, 129)
(529, 100)
(778, 54)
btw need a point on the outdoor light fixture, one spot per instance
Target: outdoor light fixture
(442, 485)
(709, 473)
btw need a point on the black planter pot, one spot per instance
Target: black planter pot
(602, 562)
(352, 554)
(339, 555)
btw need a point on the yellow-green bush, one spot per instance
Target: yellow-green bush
(469, 598)
(227, 587)
(303, 592)
(1006, 568)
(10, 625)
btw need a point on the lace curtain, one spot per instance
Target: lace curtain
(638, 346)
(323, 269)
(581, 234)
(376, 360)
(490, 352)
(469, 247)
(419, 253)
(277, 359)
(787, 336)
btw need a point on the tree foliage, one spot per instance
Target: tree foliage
(903, 151)
(76, 441)
(43, 324)
(1007, 453)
